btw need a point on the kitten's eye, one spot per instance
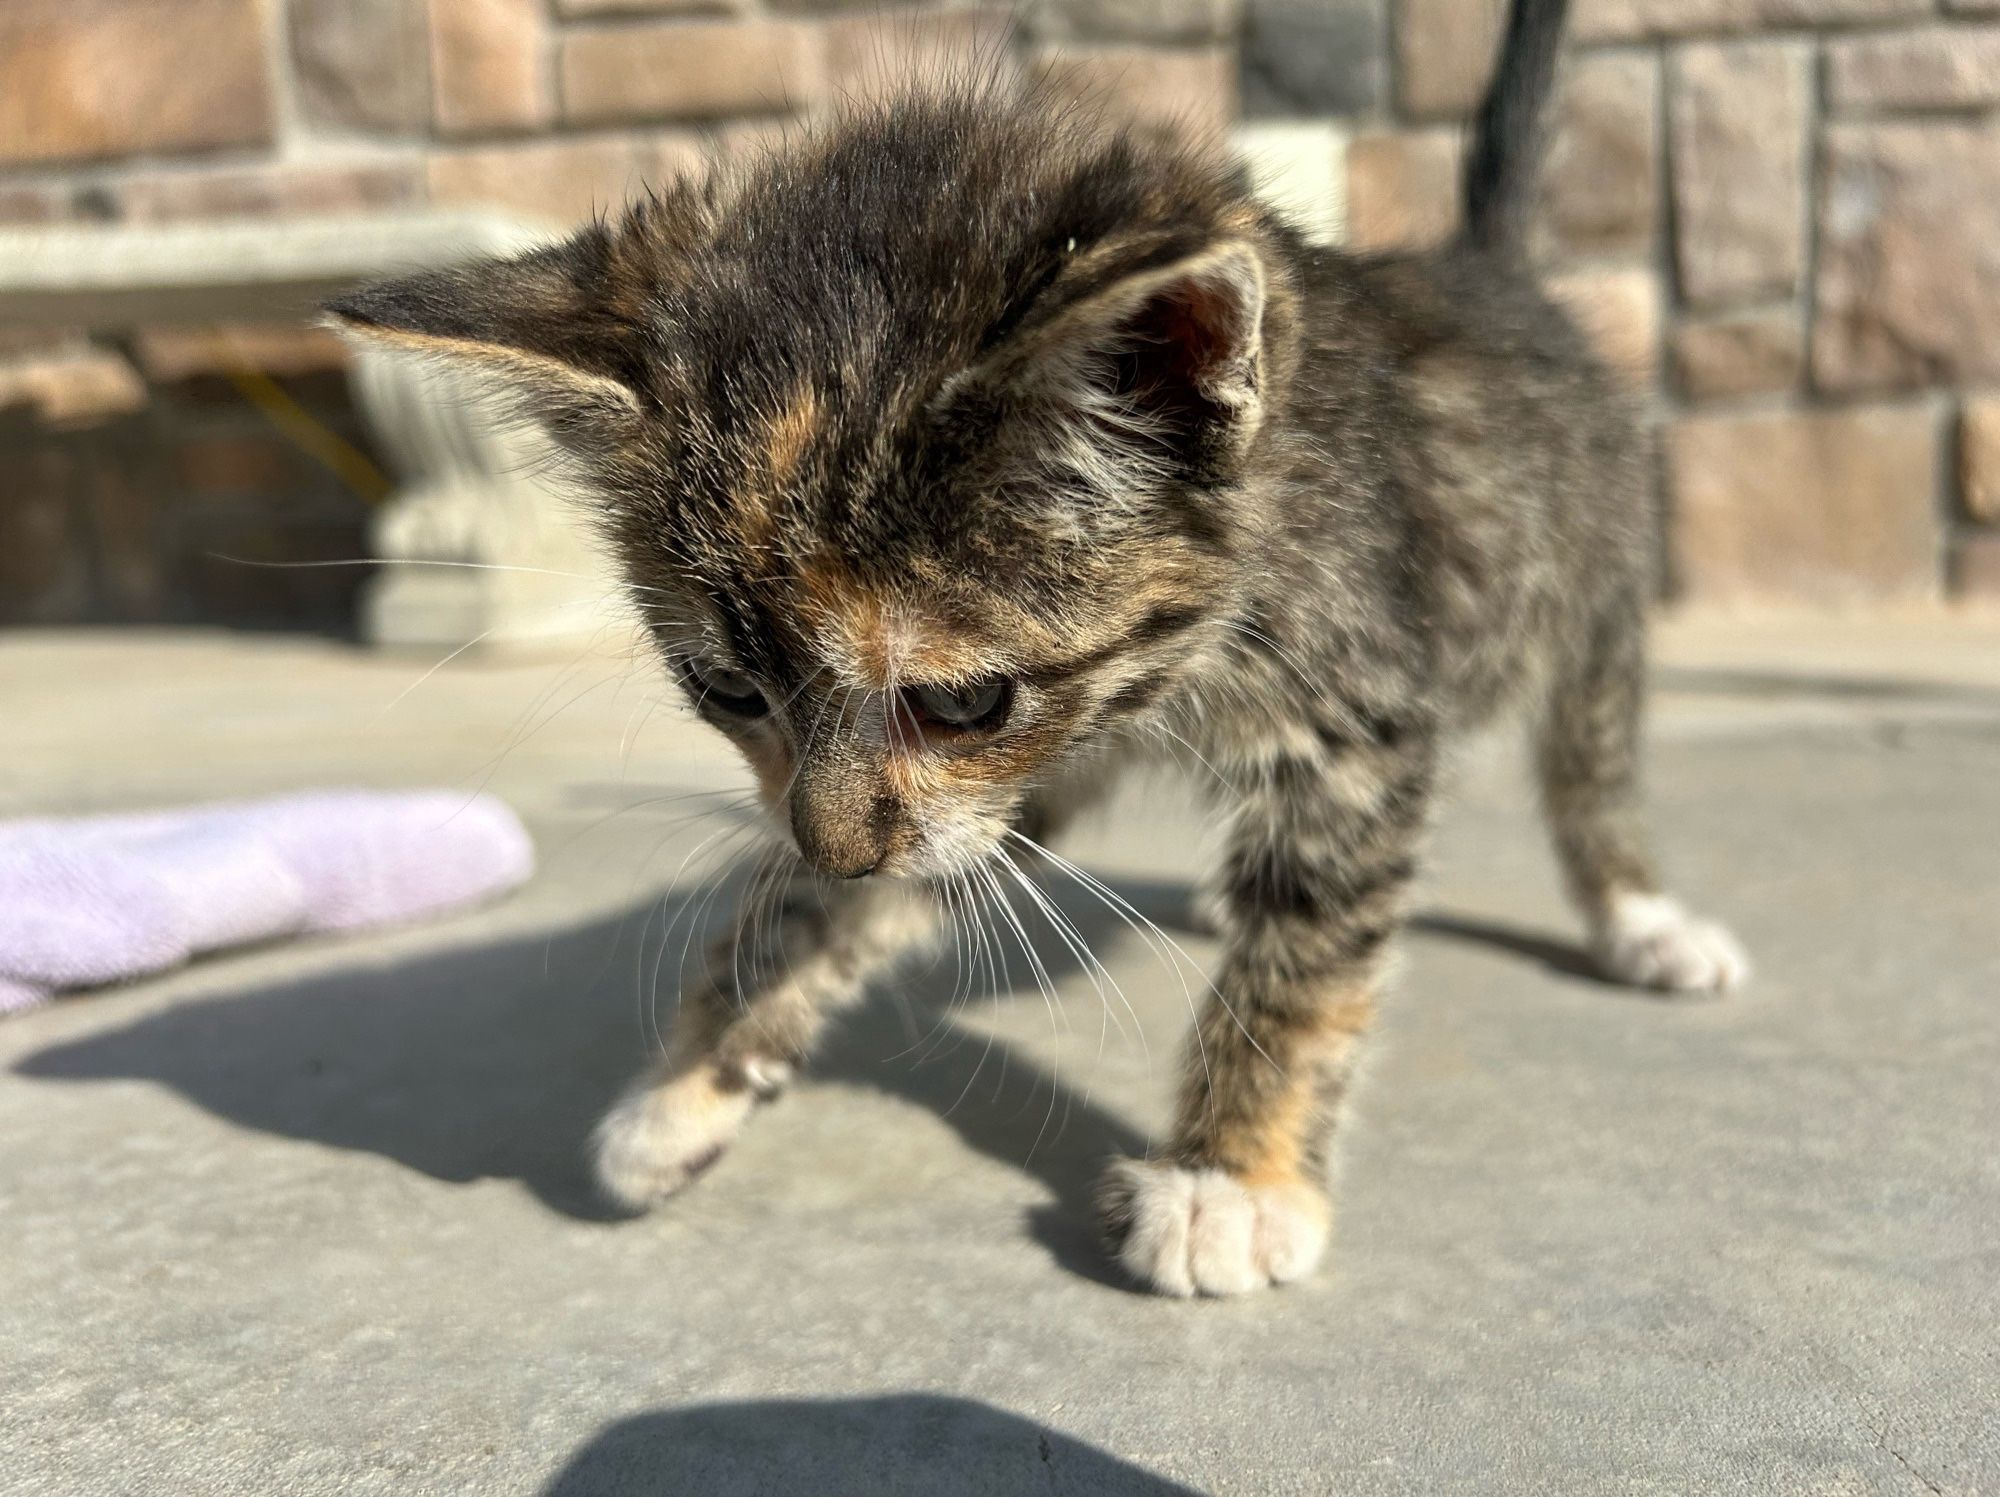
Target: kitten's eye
(983, 705)
(726, 687)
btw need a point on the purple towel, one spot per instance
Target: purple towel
(100, 899)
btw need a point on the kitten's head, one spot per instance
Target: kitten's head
(923, 443)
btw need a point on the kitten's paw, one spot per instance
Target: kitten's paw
(1651, 942)
(1182, 1231)
(661, 1136)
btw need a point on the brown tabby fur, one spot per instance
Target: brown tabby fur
(970, 387)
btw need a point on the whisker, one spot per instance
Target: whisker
(1080, 949)
(630, 737)
(698, 914)
(1279, 651)
(1126, 906)
(524, 730)
(1067, 932)
(736, 803)
(649, 988)
(948, 896)
(979, 1066)
(1220, 778)
(1049, 998)
(749, 920)
(428, 561)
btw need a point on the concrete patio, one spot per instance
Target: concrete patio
(312, 1219)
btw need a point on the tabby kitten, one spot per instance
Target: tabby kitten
(955, 449)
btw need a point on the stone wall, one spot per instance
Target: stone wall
(1780, 217)
(135, 465)
(148, 110)
(1788, 213)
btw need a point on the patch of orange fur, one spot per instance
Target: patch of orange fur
(883, 640)
(791, 432)
(1273, 1147)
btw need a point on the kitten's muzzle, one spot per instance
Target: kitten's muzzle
(843, 828)
(836, 859)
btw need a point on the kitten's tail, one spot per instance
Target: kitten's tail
(1507, 133)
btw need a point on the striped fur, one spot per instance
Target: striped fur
(970, 389)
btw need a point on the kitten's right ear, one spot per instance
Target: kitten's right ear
(543, 329)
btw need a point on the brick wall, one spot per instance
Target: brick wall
(1787, 212)
(1781, 217)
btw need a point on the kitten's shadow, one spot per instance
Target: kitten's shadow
(1565, 958)
(1001, 1101)
(495, 1061)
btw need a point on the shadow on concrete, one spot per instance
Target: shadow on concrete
(1564, 958)
(908, 1445)
(1766, 684)
(495, 1061)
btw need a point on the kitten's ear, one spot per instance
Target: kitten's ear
(1165, 362)
(543, 329)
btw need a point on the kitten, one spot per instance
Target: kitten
(957, 449)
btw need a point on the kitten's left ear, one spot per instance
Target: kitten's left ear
(1165, 361)
(542, 329)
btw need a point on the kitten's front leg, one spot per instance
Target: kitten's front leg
(748, 1021)
(1322, 853)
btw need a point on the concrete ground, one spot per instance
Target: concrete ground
(311, 1218)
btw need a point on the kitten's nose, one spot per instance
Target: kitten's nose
(840, 828)
(837, 858)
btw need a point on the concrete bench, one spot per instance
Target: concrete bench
(516, 568)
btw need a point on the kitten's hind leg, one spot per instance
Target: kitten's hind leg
(1588, 754)
(748, 1021)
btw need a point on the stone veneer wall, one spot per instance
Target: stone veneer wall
(1781, 217)
(1787, 214)
(128, 466)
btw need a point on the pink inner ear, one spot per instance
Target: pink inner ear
(1202, 322)
(1189, 356)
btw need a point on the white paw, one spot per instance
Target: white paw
(1651, 942)
(659, 1137)
(1181, 1231)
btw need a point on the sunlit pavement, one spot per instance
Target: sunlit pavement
(312, 1218)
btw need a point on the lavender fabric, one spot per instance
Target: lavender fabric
(100, 899)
